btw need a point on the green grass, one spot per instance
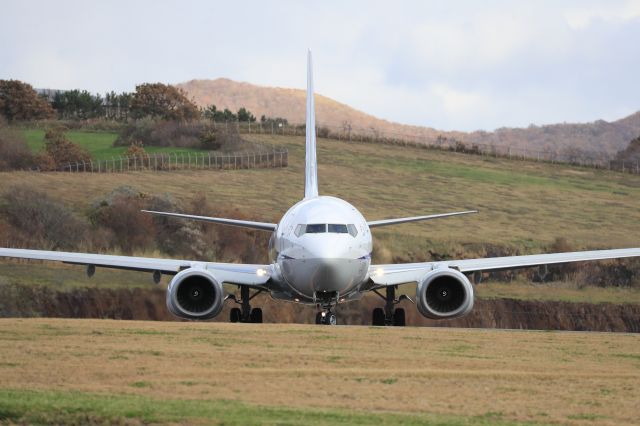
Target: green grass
(72, 407)
(99, 144)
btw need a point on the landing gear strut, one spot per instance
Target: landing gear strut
(245, 313)
(389, 315)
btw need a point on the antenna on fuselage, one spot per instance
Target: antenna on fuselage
(311, 163)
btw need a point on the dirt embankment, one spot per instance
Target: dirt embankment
(149, 304)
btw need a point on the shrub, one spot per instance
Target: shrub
(182, 134)
(40, 221)
(120, 213)
(14, 152)
(61, 150)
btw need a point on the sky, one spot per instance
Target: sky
(451, 65)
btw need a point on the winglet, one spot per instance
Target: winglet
(311, 165)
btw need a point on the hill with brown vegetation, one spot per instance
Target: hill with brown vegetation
(599, 136)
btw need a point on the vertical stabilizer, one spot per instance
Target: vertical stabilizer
(311, 165)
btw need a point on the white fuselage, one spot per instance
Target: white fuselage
(322, 249)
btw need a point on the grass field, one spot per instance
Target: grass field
(99, 144)
(524, 205)
(80, 371)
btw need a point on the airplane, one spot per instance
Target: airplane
(320, 255)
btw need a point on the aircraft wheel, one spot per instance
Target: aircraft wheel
(256, 315)
(399, 317)
(378, 317)
(319, 318)
(236, 315)
(331, 319)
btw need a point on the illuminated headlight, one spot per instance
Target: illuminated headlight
(261, 272)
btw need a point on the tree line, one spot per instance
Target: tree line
(20, 102)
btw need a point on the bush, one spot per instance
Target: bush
(40, 221)
(119, 212)
(181, 135)
(62, 151)
(14, 152)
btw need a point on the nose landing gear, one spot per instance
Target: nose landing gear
(326, 318)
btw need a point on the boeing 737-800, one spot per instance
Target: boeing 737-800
(320, 255)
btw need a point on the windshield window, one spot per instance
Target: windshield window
(316, 228)
(353, 231)
(339, 229)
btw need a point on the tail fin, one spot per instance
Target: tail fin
(311, 166)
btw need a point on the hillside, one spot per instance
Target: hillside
(599, 136)
(524, 205)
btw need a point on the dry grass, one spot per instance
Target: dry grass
(539, 377)
(524, 205)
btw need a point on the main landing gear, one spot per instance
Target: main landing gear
(245, 313)
(389, 315)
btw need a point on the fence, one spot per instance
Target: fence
(576, 157)
(183, 161)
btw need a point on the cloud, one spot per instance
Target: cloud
(460, 65)
(584, 16)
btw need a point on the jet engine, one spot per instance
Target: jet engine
(444, 294)
(195, 294)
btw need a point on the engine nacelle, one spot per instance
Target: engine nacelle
(444, 294)
(195, 294)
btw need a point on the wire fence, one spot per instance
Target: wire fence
(576, 157)
(276, 158)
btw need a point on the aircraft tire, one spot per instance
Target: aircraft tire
(378, 317)
(256, 315)
(236, 315)
(399, 317)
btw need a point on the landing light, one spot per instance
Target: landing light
(261, 272)
(379, 272)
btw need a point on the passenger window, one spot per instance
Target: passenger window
(316, 228)
(353, 231)
(338, 229)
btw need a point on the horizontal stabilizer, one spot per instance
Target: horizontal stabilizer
(262, 226)
(387, 222)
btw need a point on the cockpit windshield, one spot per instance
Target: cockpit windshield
(339, 229)
(318, 228)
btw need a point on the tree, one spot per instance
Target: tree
(210, 112)
(245, 116)
(228, 115)
(631, 153)
(78, 104)
(157, 100)
(19, 102)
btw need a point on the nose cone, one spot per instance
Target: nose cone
(324, 248)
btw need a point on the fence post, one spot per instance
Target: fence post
(272, 127)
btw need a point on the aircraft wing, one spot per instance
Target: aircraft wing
(395, 274)
(232, 273)
(387, 222)
(262, 226)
